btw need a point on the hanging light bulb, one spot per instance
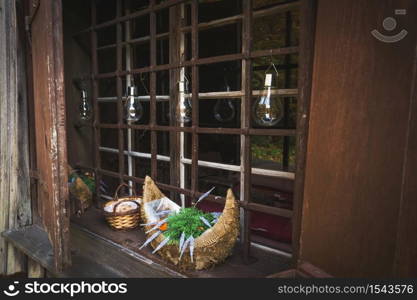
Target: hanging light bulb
(134, 109)
(268, 108)
(184, 102)
(85, 108)
(224, 110)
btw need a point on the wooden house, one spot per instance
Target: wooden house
(326, 177)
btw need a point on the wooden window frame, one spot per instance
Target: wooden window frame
(60, 242)
(176, 131)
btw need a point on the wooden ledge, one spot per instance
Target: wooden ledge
(118, 257)
(33, 241)
(109, 254)
(120, 250)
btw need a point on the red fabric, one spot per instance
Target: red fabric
(269, 226)
(273, 227)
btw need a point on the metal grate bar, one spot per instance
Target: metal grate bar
(119, 83)
(195, 90)
(154, 162)
(246, 124)
(94, 81)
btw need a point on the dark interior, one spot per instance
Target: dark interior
(276, 153)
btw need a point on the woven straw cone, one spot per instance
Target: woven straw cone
(212, 247)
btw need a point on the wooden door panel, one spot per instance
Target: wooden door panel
(357, 137)
(49, 110)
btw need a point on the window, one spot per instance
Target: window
(223, 49)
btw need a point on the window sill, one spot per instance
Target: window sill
(98, 251)
(119, 250)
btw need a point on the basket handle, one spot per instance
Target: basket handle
(116, 196)
(118, 203)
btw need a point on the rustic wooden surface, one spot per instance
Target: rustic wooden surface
(405, 264)
(359, 121)
(129, 242)
(34, 242)
(115, 256)
(308, 26)
(14, 171)
(49, 109)
(303, 270)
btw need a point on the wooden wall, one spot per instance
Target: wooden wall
(77, 63)
(14, 157)
(360, 210)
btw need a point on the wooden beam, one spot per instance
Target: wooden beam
(50, 123)
(214, 165)
(308, 12)
(14, 160)
(238, 18)
(245, 140)
(210, 95)
(174, 58)
(405, 263)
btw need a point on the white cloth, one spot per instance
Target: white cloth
(125, 206)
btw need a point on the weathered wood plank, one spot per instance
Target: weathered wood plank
(307, 38)
(14, 171)
(357, 139)
(121, 259)
(48, 77)
(405, 263)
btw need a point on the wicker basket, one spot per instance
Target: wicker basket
(123, 220)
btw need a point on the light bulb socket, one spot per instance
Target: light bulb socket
(268, 80)
(132, 90)
(182, 86)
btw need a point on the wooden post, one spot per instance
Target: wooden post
(14, 153)
(307, 39)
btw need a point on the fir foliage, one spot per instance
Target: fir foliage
(187, 220)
